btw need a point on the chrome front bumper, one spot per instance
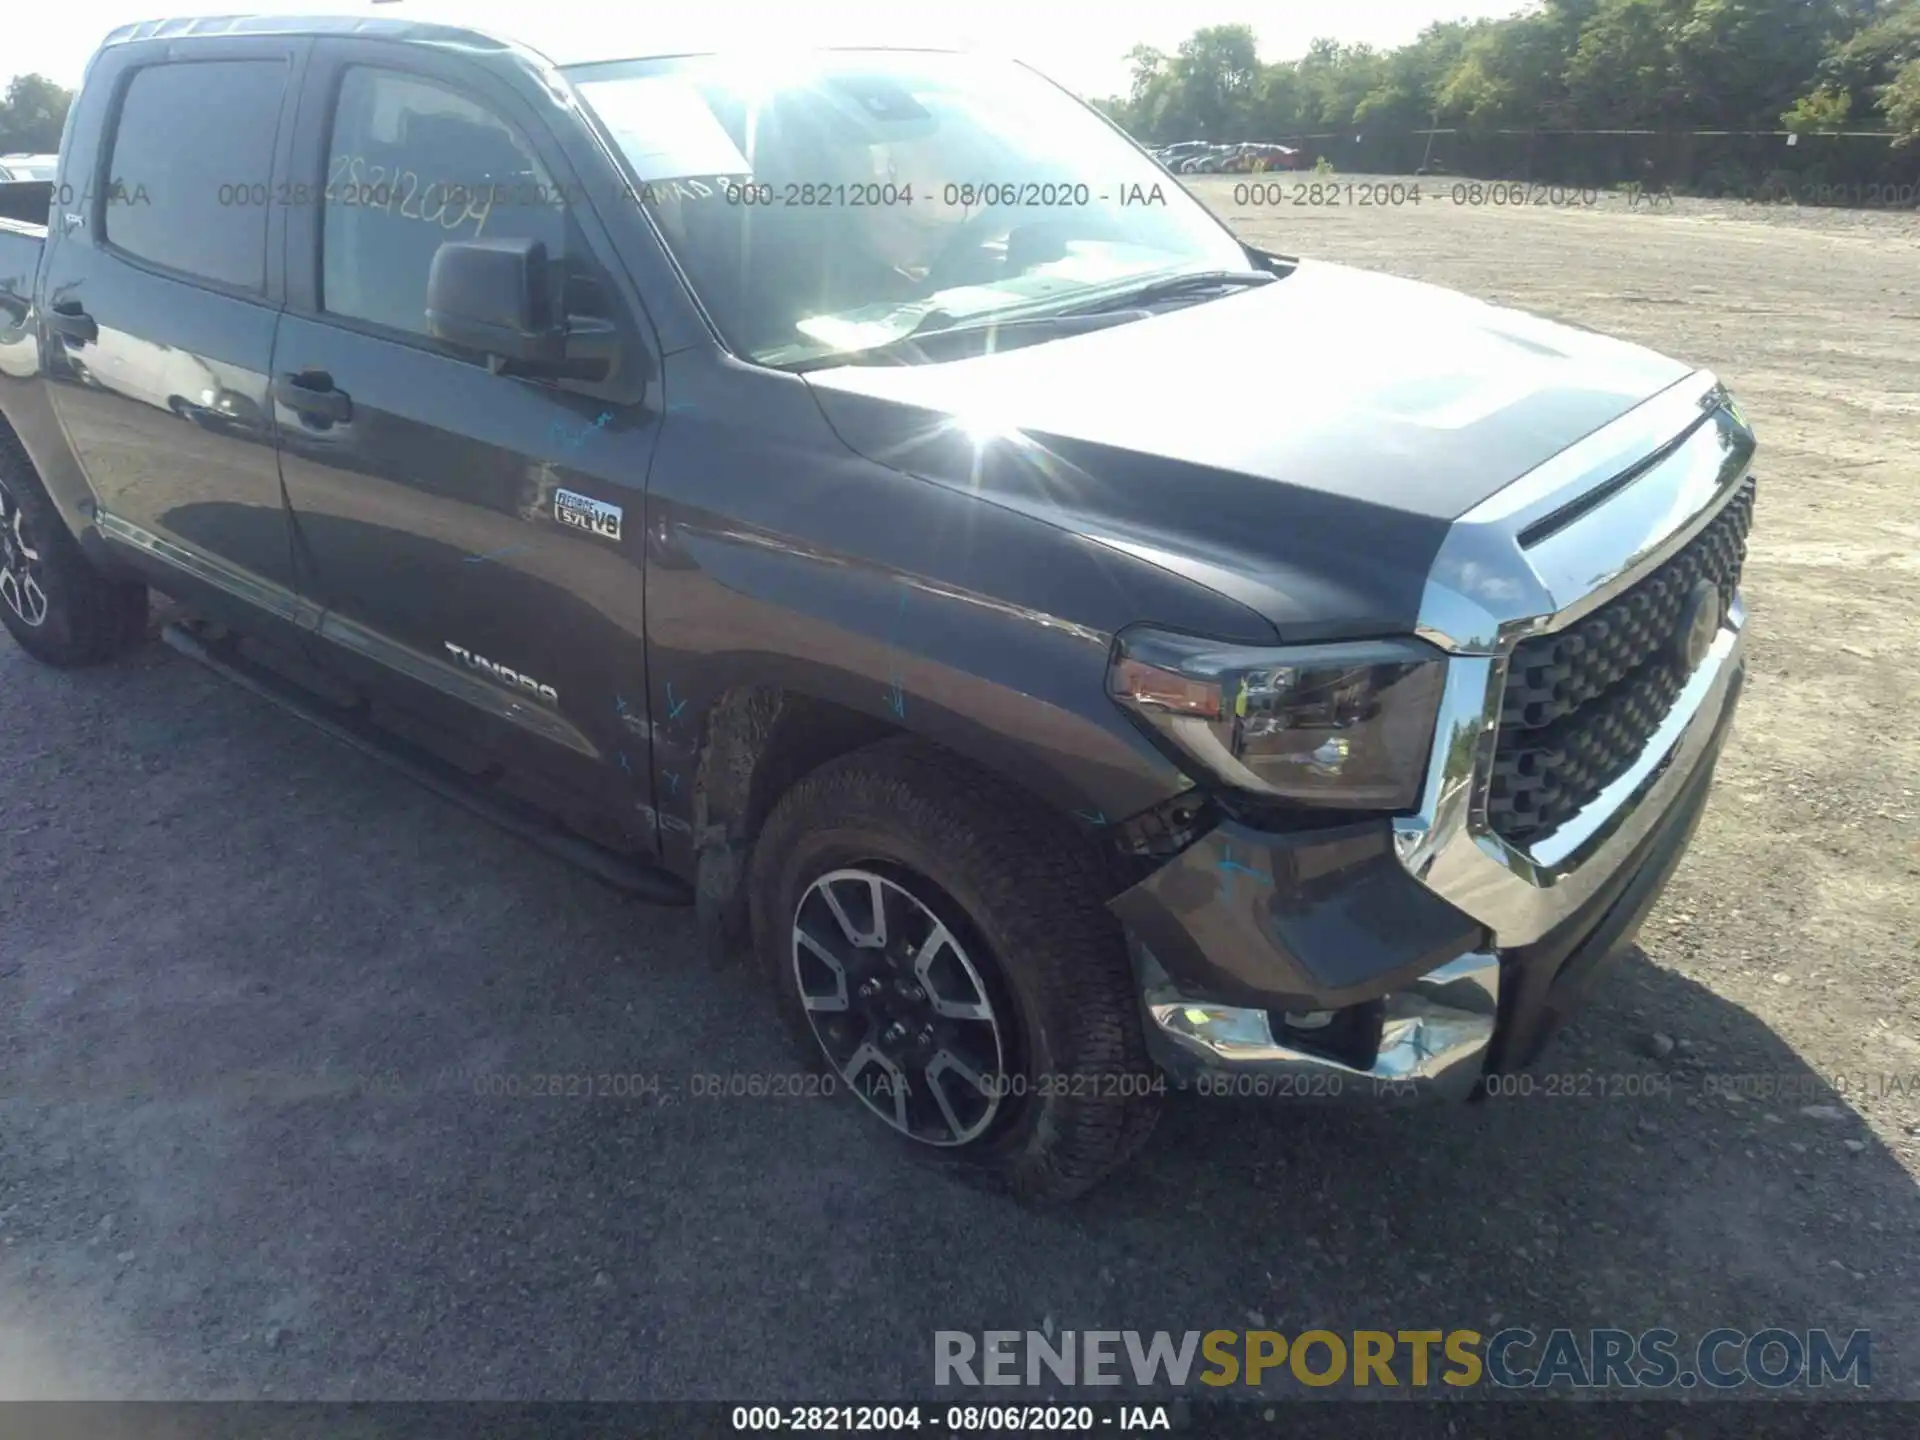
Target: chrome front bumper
(1433, 1042)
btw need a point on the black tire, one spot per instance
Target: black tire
(82, 617)
(1078, 1094)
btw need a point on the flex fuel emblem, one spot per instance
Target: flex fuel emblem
(583, 512)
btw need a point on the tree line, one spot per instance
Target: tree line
(1806, 66)
(31, 115)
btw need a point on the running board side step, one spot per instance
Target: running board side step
(447, 781)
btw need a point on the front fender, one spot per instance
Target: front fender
(780, 560)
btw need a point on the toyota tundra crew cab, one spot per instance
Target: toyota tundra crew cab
(775, 483)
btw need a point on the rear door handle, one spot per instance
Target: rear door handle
(312, 392)
(69, 320)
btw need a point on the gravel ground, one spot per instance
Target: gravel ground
(248, 979)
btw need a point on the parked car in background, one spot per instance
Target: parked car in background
(1249, 157)
(1174, 155)
(1276, 157)
(29, 167)
(1210, 161)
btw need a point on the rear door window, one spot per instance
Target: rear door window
(191, 168)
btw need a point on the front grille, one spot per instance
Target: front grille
(1581, 704)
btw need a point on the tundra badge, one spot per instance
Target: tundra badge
(583, 512)
(503, 674)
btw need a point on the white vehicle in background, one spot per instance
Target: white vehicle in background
(23, 166)
(166, 378)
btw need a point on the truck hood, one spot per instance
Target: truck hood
(1301, 447)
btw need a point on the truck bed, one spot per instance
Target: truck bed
(27, 202)
(23, 235)
(20, 247)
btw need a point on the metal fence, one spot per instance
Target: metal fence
(1855, 167)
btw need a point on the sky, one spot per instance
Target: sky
(1081, 44)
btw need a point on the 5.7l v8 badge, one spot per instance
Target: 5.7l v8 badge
(583, 512)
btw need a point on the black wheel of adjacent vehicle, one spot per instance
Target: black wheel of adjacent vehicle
(940, 943)
(60, 609)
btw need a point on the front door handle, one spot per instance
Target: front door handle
(67, 319)
(312, 393)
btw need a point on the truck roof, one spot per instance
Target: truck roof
(465, 39)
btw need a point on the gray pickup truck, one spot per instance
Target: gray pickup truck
(787, 493)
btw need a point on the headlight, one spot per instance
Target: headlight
(1344, 726)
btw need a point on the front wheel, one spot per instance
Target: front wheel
(940, 943)
(53, 602)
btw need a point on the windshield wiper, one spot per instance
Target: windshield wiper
(937, 326)
(935, 323)
(1173, 286)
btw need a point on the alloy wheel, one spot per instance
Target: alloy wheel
(899, 1007)
(21, 582)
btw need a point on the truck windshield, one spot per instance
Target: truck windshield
(839, 201)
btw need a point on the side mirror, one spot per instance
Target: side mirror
(492, 297)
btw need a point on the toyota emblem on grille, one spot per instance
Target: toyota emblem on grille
(1699, 624)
